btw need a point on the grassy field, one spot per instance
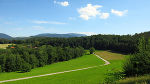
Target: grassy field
(89, 76)
(3, 46)
(136, 80)
(109, 55)
(81, 62)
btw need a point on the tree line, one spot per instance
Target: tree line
(23, 58)
(121, 43)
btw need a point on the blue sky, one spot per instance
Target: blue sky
(31, 17)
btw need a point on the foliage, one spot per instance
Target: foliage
(138, 63)
(92, 50)
(121, 43)
(0, 69)
(23, 57)
(26, 67)
(113, 77)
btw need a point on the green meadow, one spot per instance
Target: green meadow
(81, 62)
(95, 75)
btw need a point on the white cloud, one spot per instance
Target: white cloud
(92, 11)
(85, 17)
(89, 11)
(104, 15)
(46, 22)
(87, 33)
(40, 22)
(119, 13)
(65, 3)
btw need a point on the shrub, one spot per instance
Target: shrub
(92, 50)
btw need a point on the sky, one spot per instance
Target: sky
(20, 18)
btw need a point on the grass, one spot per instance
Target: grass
(109, 55)
(136, 80)
(89, 76)
(3, 46)
(81, 62)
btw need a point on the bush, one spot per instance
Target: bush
(92, 50)
(112, 78)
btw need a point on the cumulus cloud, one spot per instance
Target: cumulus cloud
(104, 15)
(92, 11)
(65, 3)
(119, 13)
(89, 11)
(47, 22)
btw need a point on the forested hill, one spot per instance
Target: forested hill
(122, 43)
(5, 36)
(60, 35)
(69, 35)
(145, 34)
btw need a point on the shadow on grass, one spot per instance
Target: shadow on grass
(112, 51)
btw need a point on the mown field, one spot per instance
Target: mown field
(3, 46)
(90, 76)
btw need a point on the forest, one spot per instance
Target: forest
(120, 43)
(23, 58)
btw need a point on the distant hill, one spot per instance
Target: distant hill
(60, 35)
(5, 36)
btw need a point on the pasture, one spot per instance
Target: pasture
(90, 76)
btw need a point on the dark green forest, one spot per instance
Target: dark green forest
(139, 62)
(23, 58)
(120, 43)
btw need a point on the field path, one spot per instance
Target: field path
(106, 63)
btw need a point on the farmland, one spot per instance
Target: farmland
(89, 76)
(3, 46)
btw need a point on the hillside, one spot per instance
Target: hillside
(60, 35)
(145, 34)
(5, 36)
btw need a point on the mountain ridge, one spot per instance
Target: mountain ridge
(68, 35)
(5, 36)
